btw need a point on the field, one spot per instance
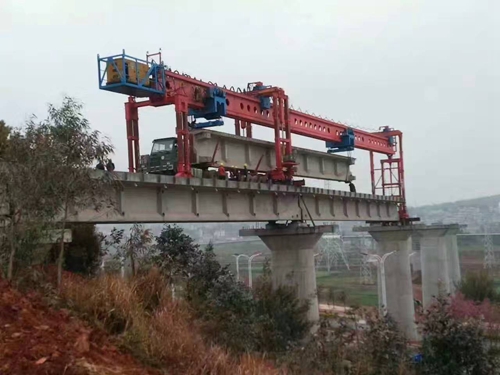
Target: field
(332, 287)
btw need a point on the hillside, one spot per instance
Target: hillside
(481, 203)
(479, 214)
(36, 339)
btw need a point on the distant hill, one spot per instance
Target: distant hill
(482, 202)
(479, 214)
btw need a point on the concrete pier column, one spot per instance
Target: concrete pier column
(399, 290)
(440, 263)
(454, 271)
(292, 262)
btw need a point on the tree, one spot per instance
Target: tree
(175, 252)
(138, 244)
(452, 345)
(267, 320)
(479, 286)
(83, 253)
(75, 149)
(4, 137)
(111, 242)
(26, 166)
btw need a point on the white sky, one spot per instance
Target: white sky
(429, 68)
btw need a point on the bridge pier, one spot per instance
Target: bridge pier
(292, 260)
(399, 289)
(440, 260)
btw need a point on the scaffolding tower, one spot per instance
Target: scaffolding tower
(365, 272)
(332, 253)
(489, 253)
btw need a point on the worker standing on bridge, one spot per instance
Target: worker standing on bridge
(221, 172)
(110, 166)
(245, 172)
(352, 188)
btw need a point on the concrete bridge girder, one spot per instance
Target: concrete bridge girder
(235, 150)
(158, 198)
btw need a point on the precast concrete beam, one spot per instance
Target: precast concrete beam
(439, 258)
(399, 289)
(235, 150)
(151, 198)
(292, 258)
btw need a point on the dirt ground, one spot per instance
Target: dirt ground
(35, 339)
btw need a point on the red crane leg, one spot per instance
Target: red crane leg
(180, 143)
(183, 146)
(237, 127)
(132, 121)
(183, 138)
(249, 130)
(278, 172)
(403, 212)
(288, 132)
(372, 172)
(187, 146)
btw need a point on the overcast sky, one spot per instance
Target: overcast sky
(429, 68)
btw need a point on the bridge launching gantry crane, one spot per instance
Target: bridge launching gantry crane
(157, 85)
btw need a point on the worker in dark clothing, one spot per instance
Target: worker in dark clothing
(110, 166)
(352, 188)
(245, 172)
(100, 165)
(221, 172)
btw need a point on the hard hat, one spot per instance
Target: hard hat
(245, 165)
(221, 164)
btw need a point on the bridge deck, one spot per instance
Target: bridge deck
(156, 198)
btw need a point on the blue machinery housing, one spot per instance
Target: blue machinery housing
(215, 108)
(346, 143)
(129, 75)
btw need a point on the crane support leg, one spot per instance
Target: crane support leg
(249, 130)
(237, 127)
(283, 140)
(389, 179)
(183, 140)
(132, 121)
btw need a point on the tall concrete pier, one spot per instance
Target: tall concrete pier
(396, 241)
(440, 260)
(292, 261)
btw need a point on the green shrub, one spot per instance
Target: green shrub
(268, 320)
(342, 347)
(83, 253)
(453, 346)
(478, 286)
(282, 317)
(384, 347)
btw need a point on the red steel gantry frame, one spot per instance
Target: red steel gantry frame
(183, 92)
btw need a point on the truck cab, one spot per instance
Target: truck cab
(163, 157)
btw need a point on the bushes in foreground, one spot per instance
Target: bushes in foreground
(218, 321)
(156, 329)
(341, 347)
(453, 344)
(266, 321)
(479, 286)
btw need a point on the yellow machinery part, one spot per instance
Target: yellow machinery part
(134, 70)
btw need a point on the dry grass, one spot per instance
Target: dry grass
(153, 327)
